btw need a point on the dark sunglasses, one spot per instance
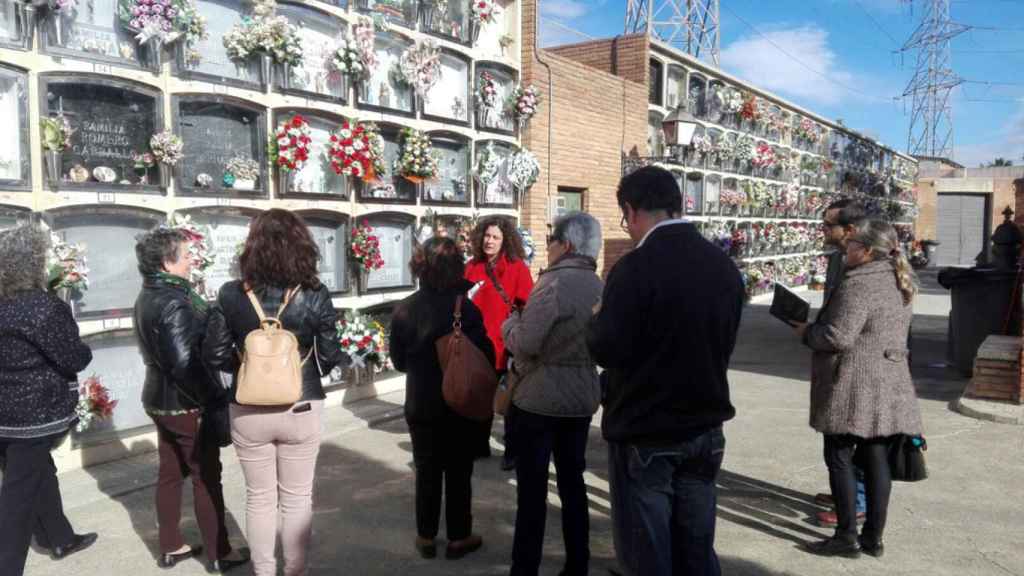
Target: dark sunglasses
(552, 238)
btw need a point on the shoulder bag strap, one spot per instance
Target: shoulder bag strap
(457, 316)
(494, 280)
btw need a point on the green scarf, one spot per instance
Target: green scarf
(198, 302)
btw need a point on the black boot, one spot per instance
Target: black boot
(835, 546)
(78, 543)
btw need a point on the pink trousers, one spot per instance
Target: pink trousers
(277, 449)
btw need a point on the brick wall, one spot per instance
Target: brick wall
(624, 56)
(927, 202)
(595, 117)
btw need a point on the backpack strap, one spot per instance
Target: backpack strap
(284, 304)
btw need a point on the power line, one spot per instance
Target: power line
(990, 83)
(801, 62)
(877, 23)
(1018, 51)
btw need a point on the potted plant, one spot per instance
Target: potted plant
(167, 150)
(56, 135)
(241, 173)
(364, 249)
(289, 149)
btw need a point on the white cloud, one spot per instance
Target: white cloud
(554, 33)
(759, 60)
(565, 9)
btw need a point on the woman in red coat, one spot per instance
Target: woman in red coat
(502, 280)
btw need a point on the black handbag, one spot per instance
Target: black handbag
(906, 458)
(215, 426)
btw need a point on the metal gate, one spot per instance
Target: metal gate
(962, 228)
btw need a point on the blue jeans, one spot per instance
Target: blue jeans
(862, 501)
(663, 505)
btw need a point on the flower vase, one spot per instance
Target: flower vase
(58, 28)
(166, 171)
(266, 70)
(27, 18)
(282, 181)
(54, 161)
(427, 14)
(244, 184)
(363, 4)
(474, 31)
(154, 48)
(362, 278)
(286, 76)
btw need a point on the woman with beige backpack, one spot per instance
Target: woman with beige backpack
(276, 329)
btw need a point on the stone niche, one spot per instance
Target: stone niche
(112, 122)
(217, 131)
(330, 232)
(389, 187)
(453, 181)
(395, 232)
(317, 179)
(226, 230)
(14, 143)
(118, 365)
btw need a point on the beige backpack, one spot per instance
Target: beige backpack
(271, 370)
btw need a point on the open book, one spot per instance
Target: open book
(788, 306)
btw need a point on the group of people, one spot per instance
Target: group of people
(651, 345)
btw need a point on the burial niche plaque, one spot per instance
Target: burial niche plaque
(494, 118)
(317, 176)
(382, 90)
(109, 240)
(492, 163)
(217, 136)
(318, 32)
(449, 98)
(389, 187)
(226, 232)
(330, 237)
(396, 248)
(118, 365)
(112, 123)
(452, 183)
(14, 151)
(92, 28)
(209, 57)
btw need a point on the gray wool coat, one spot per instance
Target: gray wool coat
(860, 380)
(548, 342)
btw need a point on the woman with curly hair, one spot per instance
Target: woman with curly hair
(278, 445)
(40, 355)
(502, 282)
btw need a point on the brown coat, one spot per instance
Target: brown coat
(548, 342)
(860, 380)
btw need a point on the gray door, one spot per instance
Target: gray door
(962, 229)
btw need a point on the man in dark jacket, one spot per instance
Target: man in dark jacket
(664, 331)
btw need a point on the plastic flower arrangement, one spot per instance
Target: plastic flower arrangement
(289, 148)
(362, 338)
(484, 11)
(165, 20)
(488, 165)
(523, 170)
(420, 66)
(198, 249)
(353, 151)
(265, 33)
(417, 162)
(66, 265)
(94, 403)
(764, 155)
(524, 102)
(365, 247)
(57, 133)
(240, 168)
(166, 147)
(487, 91)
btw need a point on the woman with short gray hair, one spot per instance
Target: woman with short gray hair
(555, 390)
(41, 354)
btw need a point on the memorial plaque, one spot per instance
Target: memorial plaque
(11, 217)
(396, 249)
(317, 176)
(319, 33)
(380, 89)
(212, 58)
(450, 97)
(93, 28)
(452, 23)
(505, 84)
(109, 238)
(214, 133)
(452, 184)
(397, 11)
(14, 144)
(499, 191)
(118, 364)
(330, 237)
(388, 186)
(111, 123)
(226, 233)
(9, 33)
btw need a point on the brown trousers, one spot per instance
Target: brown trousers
(183, 454)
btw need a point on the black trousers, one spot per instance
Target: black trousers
(871, 456)
(537, 439)
(30, 502)
(443, 455)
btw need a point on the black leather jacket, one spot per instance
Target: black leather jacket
(309, 314)
(169, 331)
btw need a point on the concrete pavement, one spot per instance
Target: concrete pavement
(962, 520)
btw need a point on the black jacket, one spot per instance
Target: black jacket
(309, 314)
(666, 329)
(170, 331)
(40, 355)
(416, 324)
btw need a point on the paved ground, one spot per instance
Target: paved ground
(963, 520)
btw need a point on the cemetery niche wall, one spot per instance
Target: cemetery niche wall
(124, 101)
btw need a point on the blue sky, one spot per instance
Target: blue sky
(843, 61)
